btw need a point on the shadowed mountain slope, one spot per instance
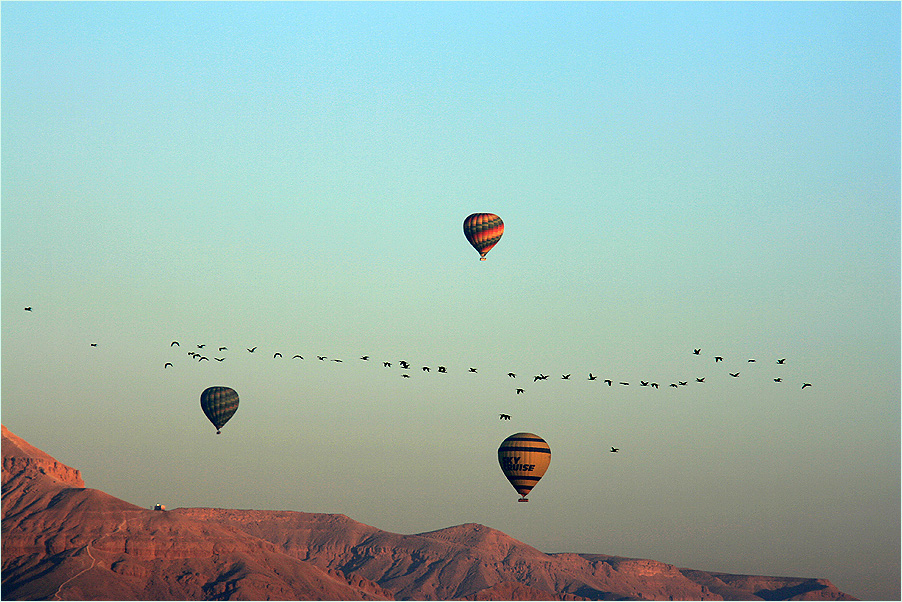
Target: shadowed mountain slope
(63, 541)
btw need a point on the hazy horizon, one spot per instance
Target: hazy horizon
(294, 177)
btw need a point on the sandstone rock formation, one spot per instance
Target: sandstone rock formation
(62, 541)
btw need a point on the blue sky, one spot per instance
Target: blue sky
(294, 177)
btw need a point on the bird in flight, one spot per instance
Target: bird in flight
(167, 365)
(778, 380)
(321, 357)
(806, 385)
(442, 369)
(252, 349)
(623, 383)
(540, 376)
(520, 391)
(174, 344)
(696, 351)
(608, 381)
(200, 346)
(782, 361)
(276, 354)
(751, 361)
(386, 364)
(298, 357)
(405, 376)
(364, 357)
(674, 385)
(504, 417)
(682, 383)
(472, 370)
(223, 348)
(717, 358)
(425, 368)
(512, 375)
(28, 308)
(700, 380)
(614, 450)
(404, 364)
(219, 359)
(337, 360)
(643, 383)
(734, 374)
(655, 385)
(565, 376)
(592, 376)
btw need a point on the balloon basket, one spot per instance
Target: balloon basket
(482, 259)
(523, 499)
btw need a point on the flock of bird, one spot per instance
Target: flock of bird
(200, 354)
(406, 366)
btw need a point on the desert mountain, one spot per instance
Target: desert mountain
(62, 541)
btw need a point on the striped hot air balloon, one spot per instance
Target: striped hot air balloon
(219, 404)
(524, 458)
(483, 230)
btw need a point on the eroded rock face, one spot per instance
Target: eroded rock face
(64, 541)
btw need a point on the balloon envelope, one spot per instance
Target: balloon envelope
(219, 404)
(524, 458)
(483, 230)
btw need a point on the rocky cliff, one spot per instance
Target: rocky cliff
(63, 541)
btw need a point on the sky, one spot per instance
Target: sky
(294, 177)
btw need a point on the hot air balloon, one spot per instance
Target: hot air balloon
(524, 458)
(483, 231)
(219, 404)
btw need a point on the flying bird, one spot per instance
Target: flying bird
(782, 361)
(696, 351)
(643, 383)
(425, 368)
(167, 365)
(806, 385)
(504, 417)
(614, 450)
(540, 376)
(674, 385)
(364, 357)
(682, 383)
(623, 383)
(336, 360)
(700, 380)
(223, 348)
(28, 308)
(276, 354)
(442, 369)
(717, 358)
(252, 349)
(174, 344)
(592, 376)
(405, 376)
(565, 376)
(608, 381)
(202, 358)
(520, 391)
(93, 344)
(321, 357)
(472, 370)
(778, 380)
(404, 364)
(751, 360)
(734, 374)
(219, 359)
(298, 357)
(655, 385)
(386, 364)
(200, 346)
(512, 375)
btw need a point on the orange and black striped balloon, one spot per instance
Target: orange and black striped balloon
(524, 458)
(219, 405)
(483, 230)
